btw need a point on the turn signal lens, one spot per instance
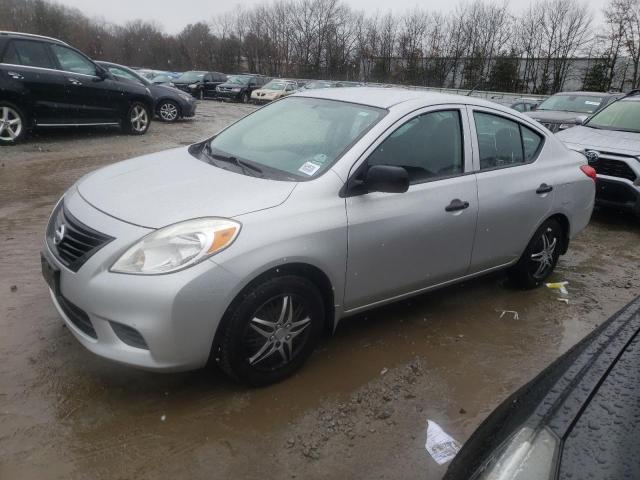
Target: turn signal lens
(589, 172)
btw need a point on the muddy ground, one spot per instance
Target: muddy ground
(358, 409)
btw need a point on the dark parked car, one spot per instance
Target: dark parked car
(578, 419)
(567, 109)
(239, 87)
(46, 83)
(526, 104)
(200, 84)
(170, 104)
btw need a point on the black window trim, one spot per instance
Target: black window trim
(497, 113)
(350, 189)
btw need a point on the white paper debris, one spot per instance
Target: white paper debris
(512, 312)
(163, 418)
(384, 370)
(440, 446)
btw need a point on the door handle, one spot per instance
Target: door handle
(15, 75)
(455, 205)
(74, 81)
(544, 188)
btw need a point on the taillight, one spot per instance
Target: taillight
(589, 171)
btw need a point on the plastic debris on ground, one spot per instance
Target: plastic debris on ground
(562, 288)
(512, 312)
(439, 444)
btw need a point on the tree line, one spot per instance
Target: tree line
(479, 44)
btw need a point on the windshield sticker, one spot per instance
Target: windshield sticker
(309, 168)
(588, 102)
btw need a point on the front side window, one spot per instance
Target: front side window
(28, 53)
(429, 147)
(296, 138)
(119, 72)
(71, 61)
(503, 142)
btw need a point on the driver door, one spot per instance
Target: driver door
(400, 243)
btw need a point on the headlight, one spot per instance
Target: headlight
(528, 454)
(235, 89)
(193, 85)
(178, 246)
(186, 97)
(564, 126)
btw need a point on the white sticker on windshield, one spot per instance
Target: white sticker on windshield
(309, 168)
(589, 102)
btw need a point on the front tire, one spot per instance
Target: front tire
(540, 257)
(13, 124)
(137, 120)
(168, 111)
(245, 98)
(272, 330)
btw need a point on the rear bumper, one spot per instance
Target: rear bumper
(618, 193)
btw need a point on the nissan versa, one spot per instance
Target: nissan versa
(244, 248)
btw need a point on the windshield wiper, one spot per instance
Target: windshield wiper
(244, 165)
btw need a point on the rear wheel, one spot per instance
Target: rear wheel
(137, 120)
(168, 111)
(13, 127)
(272, 330)
(540, 257)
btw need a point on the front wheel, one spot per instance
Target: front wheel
(540, 257)
(13, 127)
(245, 98)
(168, 111)
(137, 120)
(272, 330)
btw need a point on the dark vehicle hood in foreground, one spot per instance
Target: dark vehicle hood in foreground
(552, 116)
(167, 187)
(589, 398)
(626, 143)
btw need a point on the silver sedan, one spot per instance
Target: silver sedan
(243, 249)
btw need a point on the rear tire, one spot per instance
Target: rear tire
(271, 331)
(137, 120)
(540, 257)
(13, 124)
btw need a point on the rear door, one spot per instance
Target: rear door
(29, 66)
(515, 193)
(94, 99)
(404, 242)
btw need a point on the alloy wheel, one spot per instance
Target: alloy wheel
(10, 124)
(277, 332)
(542, 260)
(139, 118)
(168, 112)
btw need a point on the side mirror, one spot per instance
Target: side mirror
(581, 119)
(387, 179)
(101, 73)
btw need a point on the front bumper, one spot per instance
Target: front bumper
(229, 95)
(618, 193)
(188, 109)
(176, 314)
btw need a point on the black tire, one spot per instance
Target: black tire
(256, 353)
(136, 127)
(13, 124)
(168, 111)
(540, 257)
(245, 97)
(201, 95)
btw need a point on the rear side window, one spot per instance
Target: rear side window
(71, 61)
(503, 142)
(428, 147)
(28, 53)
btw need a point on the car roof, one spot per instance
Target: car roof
(4, 33)
(589, 94)
(388, 97)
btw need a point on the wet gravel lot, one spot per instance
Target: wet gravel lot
(358, 409)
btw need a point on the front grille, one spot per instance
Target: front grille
(71, 241)
(613, 168)
(77, 316)
(129, 335)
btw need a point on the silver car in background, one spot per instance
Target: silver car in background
(244, 248)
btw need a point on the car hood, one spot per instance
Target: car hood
(167, 187)
(231, 85)
(552, 116)
(160, 89)
(626, 143)
(267, 92)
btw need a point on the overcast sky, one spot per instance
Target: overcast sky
(174, 15)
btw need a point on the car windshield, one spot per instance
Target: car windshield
(191, 76)
(238, 80)
(623, 116)
(318, 85)
(161, 78)
(296, 138)
(274, 86)
(572, 103)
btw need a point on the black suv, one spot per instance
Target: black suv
(46, 83)
(200, 84)
(239, 87)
